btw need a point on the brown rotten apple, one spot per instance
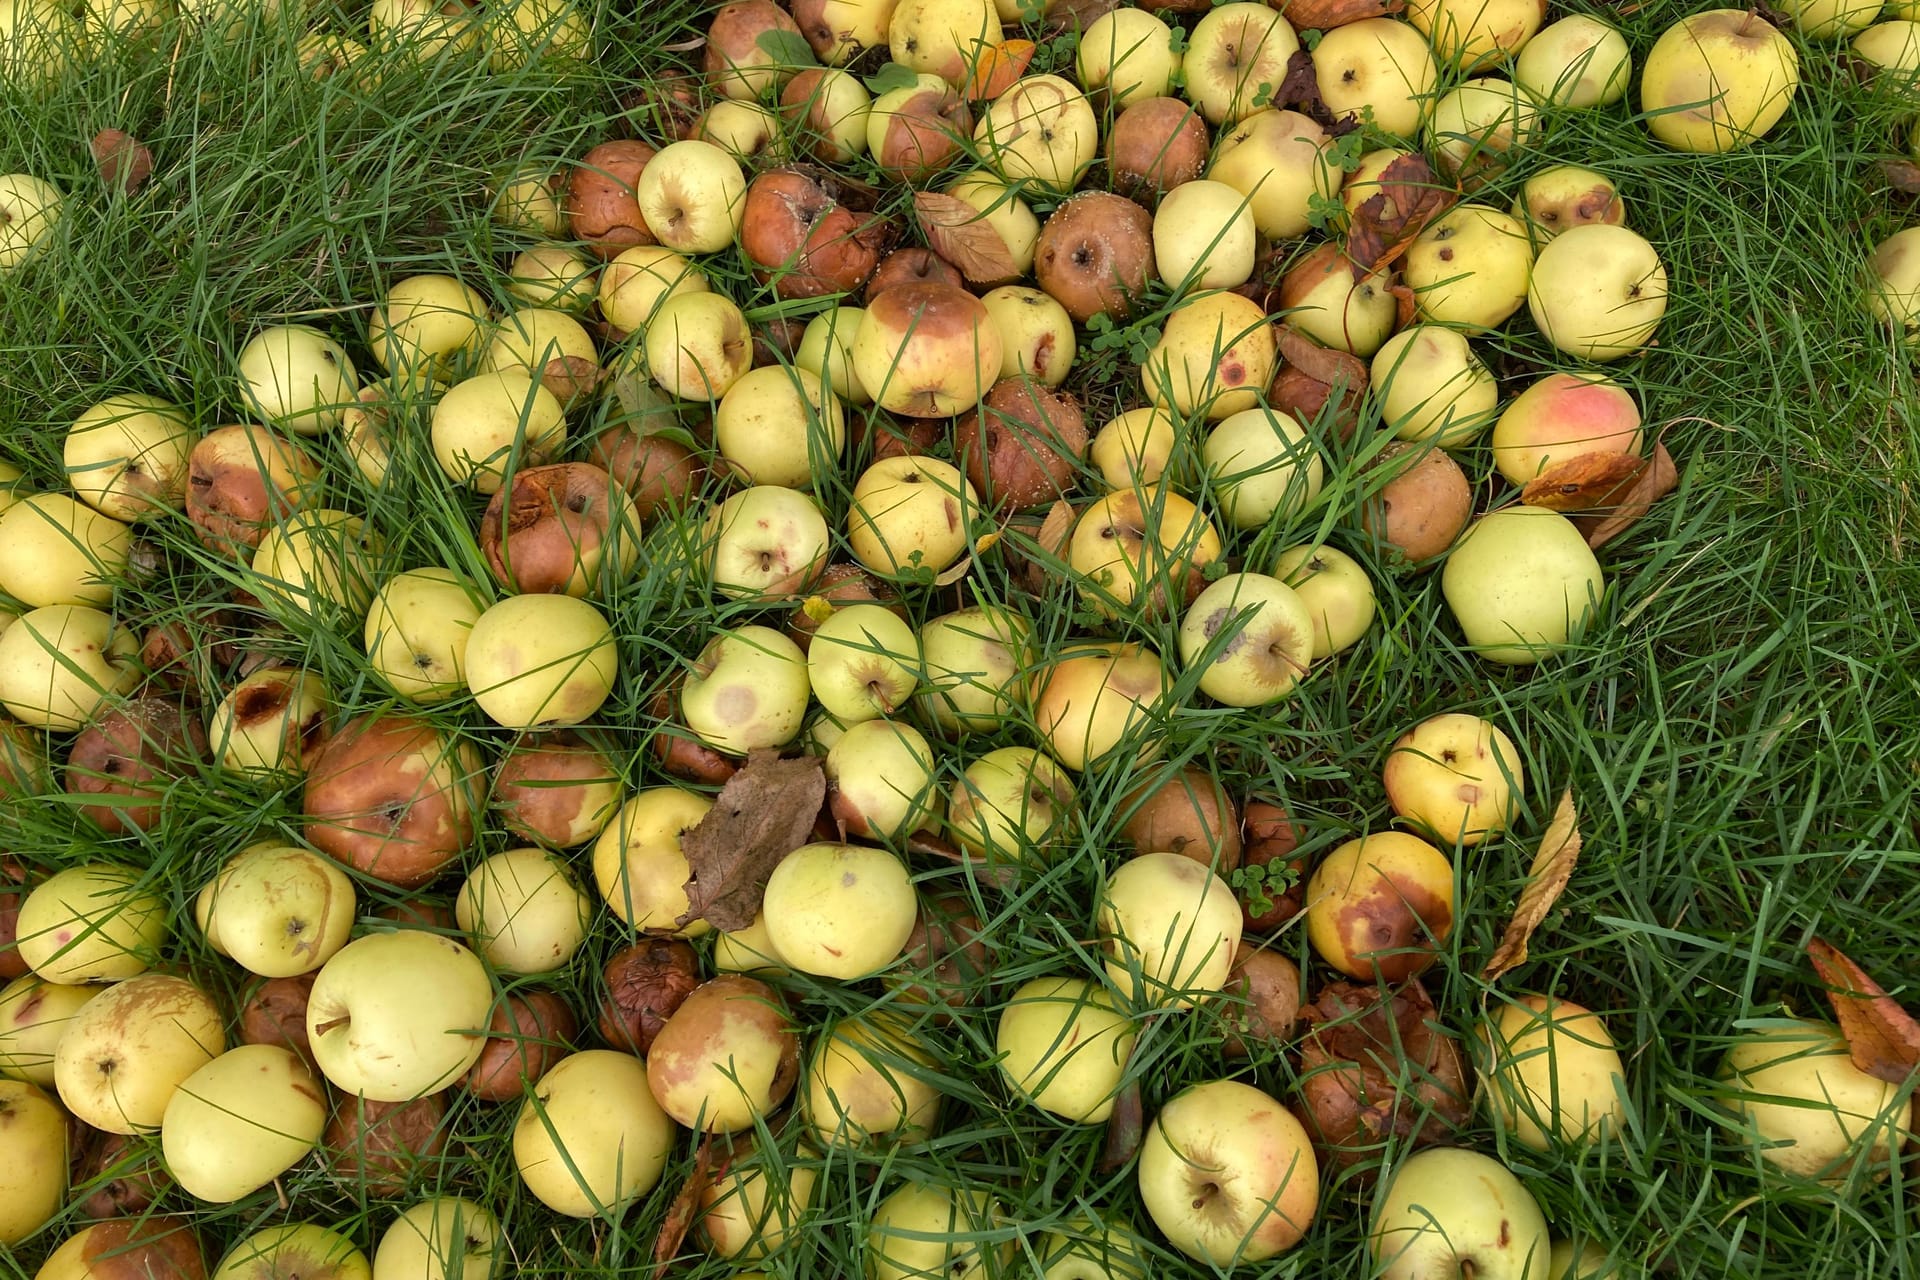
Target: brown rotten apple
(804, 240)
(1262, 999)
(912, 132)
(646, 984)
(1156, 144)
(926, 350)
(945, 960)
(1189, 814)
(728, 1055)
(658, 472)
(564, 528)
(913, 265)
(1021, 446)
(1424, 507)
(240, 480)
(390, 796)
(13, 882)
(129, 757)
(380, 1147)
(120, 1176)
(602, 201)
(556, 788)
(745, 52)
(526, 1035)
(276, 1013)
(1095, 254)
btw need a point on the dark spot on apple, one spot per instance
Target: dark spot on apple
(1446, 255)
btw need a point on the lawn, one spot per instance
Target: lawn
(1738, 725)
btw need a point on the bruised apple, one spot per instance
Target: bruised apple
(1381, 907)
(539, 662)
(128, 759)
(393, 797)
(1095, 254)
(1128, 552)
(528, 1033)
(566, 528)
(1155, 145)
(558, 789)
(926, 350)
(242, 479)
(601, 203)
(1216, 355)
(730, 1054)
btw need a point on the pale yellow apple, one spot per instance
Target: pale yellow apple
(296, 377)
(1718, 80)
(317, 562)
(1133, 450)
(748, 689)
(1216, 356)
(1004, 211)
(33, 1178)
(1084, 1248)
(870, 1082)
(422, 31)
(1126, 553)
(927, 1229)
(1168, 928)
(1809, 1111)
(444, 1238)
(693, 196)
(1893, 291)
(430, 324)
(1598, 292)
(127, 456)
(971, 660)
(780, 425)
(1097, 696)
(548, 345)
(1580, 61)
(633, 285)
(748, 950)
(284, 708)
(1250, 636)
(1228, 1174)
(129, 1048)
(1469, 267)
(301, 1249)
(1363, 183)
(1828, 19)
(758, 1206)
(880, 779)
(528, 201)
(638, 864)
(96, 922)
(1036, 334)
(557, 276)
(863, 663)
(279, 911)
(1338, 310)
(1567, 195)
(1522, 583)
(1893, 47)
(1377, 68)
(841, 29)
(1479, 127)
(1475, 34)
(1261, 465)
(1432, 386)
(34, 1014)
(1203, 237)
(557, 34)
(1063, 1044)
(591, 1139)
(911, 515)
(697, 345)
(1338, 594)
(1013, 804)
(57, 551)
(542, 661)
(32, 209)
(59, 665)
(826, 351)
(524, 911)
(1446, 1209)
(416, 633)
(742, 129)
(491, 422)
(1278, 160)
(1236, 56)
(241, 1121)
(1128, 52)
(1455, 777)
(840, 910)
(765, 543)
(399, 1015)
(1041, 131)
(945, 38)
(1552, 1073)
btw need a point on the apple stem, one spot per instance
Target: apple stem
(1467, 1270)
(1753, 15)
(323, 1028)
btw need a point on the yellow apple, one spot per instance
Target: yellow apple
(430, 324)
(445, 1238)
(1553, 1073)
(1216, 356)
(34, 1014)
(129, 1048)
(492, 422)
(1279, 161)
(91, 923)
(416, 633)
(1377, 68)
(543, 661)
(1203, 237)
(1598, 292)
(870, 1082)
(127, 456)
(1469, 267)
(639, 866)
(33, 1178)
(1064, 1045)
(1796, 1094)
(1474, 34)
(399, 1015)
(1455, 778)
(1718, 80)
(524, 911)
(1228, 1175)
(241, 1121)
(1168, 927)
(1579, 61)
(1095, 697)
(840, 910)
(591, 1139)
(296, 377)
(1236, 56)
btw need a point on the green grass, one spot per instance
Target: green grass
(1739, 730)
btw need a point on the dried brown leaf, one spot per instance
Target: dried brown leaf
(1126, 1127)
(1655, 483)
(959, 234)
(1883, 1038)
(1902, 175)
(1056, 532)
(686, 1205)
(1583, 483)
(1375, 1065)
(1322, 364)
(1552, 867)
(763, 813)
(124, 164)
(931, 846)
(1408, 307)
(566, 377)
(1300, 88)
(1324, 15)
(1409, 197)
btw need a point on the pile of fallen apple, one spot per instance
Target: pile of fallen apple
(1302, 312)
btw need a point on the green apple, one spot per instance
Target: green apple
(1432, 386)
(1579, 61)
(1063, 1045)
(1268, 639)
(296, 377)
(1013, 804)
(545, 661)
(1261, 465)
(1337, 592)
(973, 660)
(399, 1015)
(863, 662)
(1522, 583)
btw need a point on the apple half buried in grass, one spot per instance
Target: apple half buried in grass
(697, 345)
(128, 1049)
(96, 922)
(426, 323)
(1261, 465)
(492, 422)
(1252, 638)
(840, 910)
(60, 665)
(1796, 1095)
(1455, 778)
(1168, 928)
(870, 1083)
(399, 1015)
(1063, 1045)
(442, 1238)
(1450, 1212)
(1522, 583)
(1228, 1174)
(1480, 127)
(971, 661)
(54, 550)
(1598, 292)
(927, 1229)
(126, 456)
(1553, 1073)
(748, 689)
(29, 213)
(1132, 554)
(1893, 291)
(270, 723)
(757, 1205)
(592, 1139)
(638, 864)
(305, 1250)
(1095, 697)
(1013, 804)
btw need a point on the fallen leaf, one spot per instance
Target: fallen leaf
(1324, 15)
(124, 164)
(996, 68)
(1655, 483)
(686, 1205)
(954, 572)
(1056, 531)
(1583, 483)
(1409, 197)
(931, 846)
(1126, 1126)
(1300, 89)
(1902, 175)
(1323, 364)
(958, 233)
(1552, 867)
(1409, 306)
(763, 813)
(1883, 1038)
(1376, 1065)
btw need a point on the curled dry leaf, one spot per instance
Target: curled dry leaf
(1583, 483)
(763, 813)
(686, 1205)
(1553, 865)
(1653, 484)
(1324, 15)
(1375, 1065)
(1126, 1127)
(1300, 87)
(998, 65)
(1883, 1038)
(1322, 364)
(1064, 16)
(124, 164)
(1407, 307)
(1902, 175)
(960, 235)
(1409, 197)
(570, 377)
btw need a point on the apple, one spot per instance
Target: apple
(744, 130)
(1718, 80)
(1324, 299)
(1203, 237)
(1337, 592)
(1130, 54)
(780, 425)
(1553, 1072)
(1377, 69)
(524, 911)
(697, 346)
(399, 1015)
(241, 479)
(863, 663)
(1561, 417)
(1097, 696)
(1456, 778)
(924, 1229)
(1095, 254)
(1479, 127)
(1036, 334)
(1003, 211)
(416, 633)
(1432, 386)
(423, 31)
(34, 1014)
(280, 911)
(1168, 928)
(634, 284)
(33, 1182)
(61, 664)
(1580, 61)
(1469, 267)
(840, 911)
(765, 544)
(129, 1048)
(95, 922)
(1215, 356)
(427, 324)
(971, 660)
(748, 950)
(926, 350)
(1085, 1249)
(1797, 1097)
(748, 690)
(1379, 908)
(1236, 55)
(126, 457)
(494, 422)
(1261, 466)
(241, 1121)
(946, 38)
(1267, 645)
(592, 1139)
(559, 789)
(1228, 1175)
(1894, 49)
(759, 1205)
(314, 1252)
(1278, 160)
(1042, 132)
(1598, 292)
(529, 201)
(541, 661)
(269, 722)
(1450, 1212)
(880, 780)
(1475, 34)
(727, 1057)
(1893, 293)
(1133, 450)
(830, 111)
(56, 551)
(30, 210)
(1567, 196)
(826, 351)
(752, 46)
(692, 195)
(557, 276)
(910, 515)
(1363, 183)
(1063, 1045)
(317, 563)
(444, 1238)
(638, 864)
(1584, 1262)
(839, 30)
(1827, 19)
(871, 1083)
(296, 377)
(1127, 550)
(1013, 804)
